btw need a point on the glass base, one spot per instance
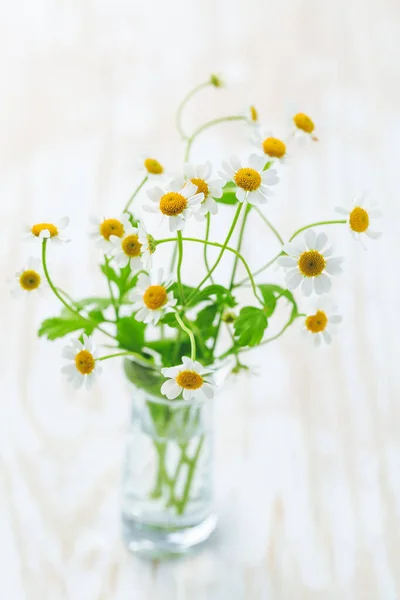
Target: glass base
(157, 542)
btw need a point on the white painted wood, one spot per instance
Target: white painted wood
(308, 452)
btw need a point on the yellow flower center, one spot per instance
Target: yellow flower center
(131, 245)
(172, 204)
(153, 166)
(190, 380)
(248, 179)
(84, 362)
(359, 219)
(111, 227)
(304, 122)
(253, 113)
(201, 186)
(274, 147)
(29, 280)
(317, 323)
(37, 229)
(155, 297)
(311, 263)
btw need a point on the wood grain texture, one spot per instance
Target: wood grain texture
(308, 452)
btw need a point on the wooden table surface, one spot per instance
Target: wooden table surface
(307, 450)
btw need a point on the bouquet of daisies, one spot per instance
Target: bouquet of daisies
(150, 315)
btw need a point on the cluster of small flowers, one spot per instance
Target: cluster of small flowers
(308, 264)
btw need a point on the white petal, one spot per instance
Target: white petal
(256, 162)
(333, 267)
(235, 162)
(155, 194)
(310, 237)
(327, 337)
(62, 223)
(176, 223)
(307, 286)
(287, 261)
(170, 389)
(241, 194)
(189, 190)
(187, 395)
(68, 352)
(322, 284)
(68, 370)
(336, 319)
(208, 390)
(322, 238)
(44, 234)
(188, 363)
(215, 186)
(189, 170)
(256, 198)
(374, 235)
(196, 199)
(342, 211)
(293, 279)
(291, 249)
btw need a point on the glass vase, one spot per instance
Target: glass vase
(167, 477)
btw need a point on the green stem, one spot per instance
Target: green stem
(208, 225)
(135, 193)
(117, 354)
(239, 245)
(260, 270)
(207, 125)
(268, 224)
(181, 505)
(179, 266)
(225, 244)
(316, 225)
(217, 245)
(190, 334)
(61, 299)
(113, 300)
(193, 92)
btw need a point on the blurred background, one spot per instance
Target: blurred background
(307, 451)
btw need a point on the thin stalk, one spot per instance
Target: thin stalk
(179, 266)
(239, 245)
(207, 237)
(191, 470)
(217, 245)
(189, 95)
(117, 354)
(190, 334)
(225, 244)
(269, 224)
(260, 270)
(341, 221)
(135, 193)
(207, 125)
(61, 299)
(113, 300)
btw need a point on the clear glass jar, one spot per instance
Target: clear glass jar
(167, 476)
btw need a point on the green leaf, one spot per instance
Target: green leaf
(271, 294)
(123, 279)
(58, 327)
(223, 296)
(250, 326)
(205, 321)
(229, 194)
(170, 320)
(99, 303)
(130, 334)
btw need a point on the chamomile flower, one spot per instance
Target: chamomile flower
(251, 115)
(127, 249)
(309, 264)
(104, 228)
(176, 203)
(83, 367)
(251, 180)
(190, 378)
(200, 176)
(29, 279)
(148, 246)
(322, 322)
(302, 126)
(152, 168)
(53, 232)
(359, 218)
(151, 298)
(274, 148)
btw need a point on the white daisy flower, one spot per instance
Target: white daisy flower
(309, 264)
(151, 298)
(359, 218)
(104, 228)
(275, 149)
(302, 126)
(190, 378)
(53, 232)
(127, 249)
(250, 178)
(322, 322)
(200, 176)
(148, 246)
(83, 368)
(29, 279)
(152, 168)
(176, 204)
(251, 115)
